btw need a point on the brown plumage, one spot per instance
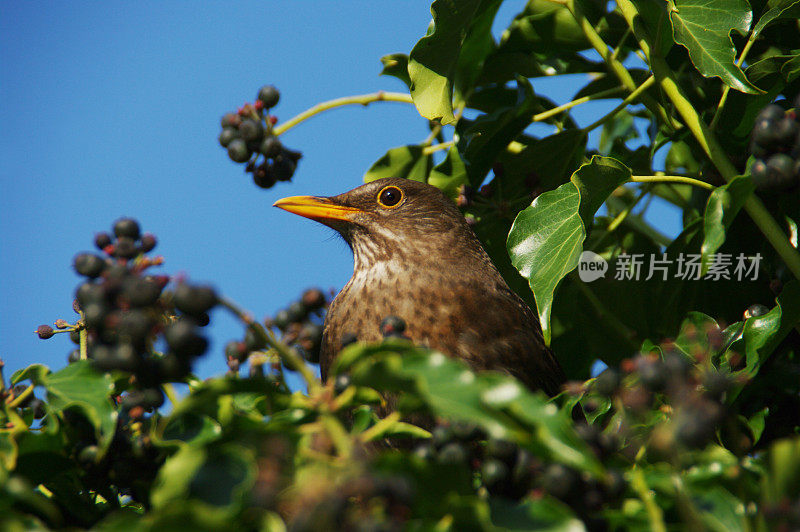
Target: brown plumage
(415, 257)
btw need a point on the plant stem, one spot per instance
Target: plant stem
(380, 428)
(556, 110)
(672, 179)
(27, 392)
(711, 146)
(619, 218)
(639, 485)
(618, 49)
(169, 391)
(287, 355)
(339, 437)
(614, 65)
(427, 150)
(726, 89)
(623, 104)
(84, 340)
(363, 99)
(435, 130)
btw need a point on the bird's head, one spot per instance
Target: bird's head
(391, 215)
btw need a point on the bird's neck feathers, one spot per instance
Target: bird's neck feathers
(383, 253)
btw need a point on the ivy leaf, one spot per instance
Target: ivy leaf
(409, 162)
(498, 403)
(449, 174)
(396, 65)
(719, 508)
(480, 142)
(552, 158)
(546, 239)
(656, 20)
(762, 334)
(596, 181)
(778, 10)
(476, 47)
(192, 428)
(78, 386)
(691, 335)
(219, 477)
(704, 27)
(432, 62)
(545, 243)
(723, 205)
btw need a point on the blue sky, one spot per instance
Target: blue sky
(112, 109)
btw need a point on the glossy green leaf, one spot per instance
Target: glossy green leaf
(693, 333)
(498, 403)
(762, 334)
(175, 475)
(596, 180)
(476, 47)
(545, 244)
(553, 158)
(544, 27)
(756, 423)
(704, 27)
(35, 372)
(190, 427)
(771, 74)
(655, 16)
(719, 509)
(546, 239)
(777, 10)
(217, 477)
(450, 174)
(404, 161)
(78, 385)
(396, 65)
(723, 205)
(432, 62)
(480, 142)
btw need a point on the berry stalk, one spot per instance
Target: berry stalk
(364, 99)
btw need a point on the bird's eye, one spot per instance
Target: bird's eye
(390, 196)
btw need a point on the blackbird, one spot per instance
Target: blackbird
(415, 257)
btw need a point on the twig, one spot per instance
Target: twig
(287, 355)
(364, 99)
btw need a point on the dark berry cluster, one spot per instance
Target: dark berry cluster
(507, 470)
(691, 392)
(124, 310)
(248, 136)
(775, 142)
(300, 324)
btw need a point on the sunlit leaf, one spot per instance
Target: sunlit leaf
(546, 239)
(433, 59)
(404, 161)
(723, 205)
(704, 27)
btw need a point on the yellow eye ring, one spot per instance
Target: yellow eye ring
(390, 197)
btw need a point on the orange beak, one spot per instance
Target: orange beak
(316, 208)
